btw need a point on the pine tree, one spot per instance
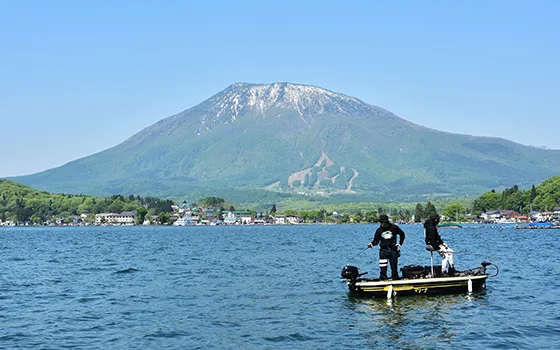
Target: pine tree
(533, 194)
(429, 210)
(419, 213)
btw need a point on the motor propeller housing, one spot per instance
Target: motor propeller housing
(350, 272)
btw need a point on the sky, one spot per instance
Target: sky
(78, 77)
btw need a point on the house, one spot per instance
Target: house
(294, 220)
(545, 216)
(243, 217)
(230, 218)
(246, 219)
(490, 215)
(280, 219)
(124, 218)
(183, 208)
(501, 216)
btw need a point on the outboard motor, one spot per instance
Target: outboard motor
(350, 273)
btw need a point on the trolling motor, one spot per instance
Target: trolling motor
(351, 273)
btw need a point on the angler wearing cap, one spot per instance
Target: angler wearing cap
(386, 237)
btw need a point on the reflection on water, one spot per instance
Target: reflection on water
(427, 318)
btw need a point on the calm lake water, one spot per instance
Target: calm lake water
(264, 287)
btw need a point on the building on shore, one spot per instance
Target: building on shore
(125, 218)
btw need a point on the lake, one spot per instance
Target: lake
(265, 287)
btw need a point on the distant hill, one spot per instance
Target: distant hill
(263, 141)
(20, 203)
(543, 197)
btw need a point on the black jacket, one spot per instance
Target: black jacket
(387, 238)
(431, 234)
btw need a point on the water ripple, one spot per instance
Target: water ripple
(261, 288)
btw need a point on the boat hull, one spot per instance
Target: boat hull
(419, 286)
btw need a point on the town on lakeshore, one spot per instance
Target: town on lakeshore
(21, 205)
(183, 215)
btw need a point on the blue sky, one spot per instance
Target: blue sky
(78, 77)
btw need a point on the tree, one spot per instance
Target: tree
(533, 194)
(404, 215)
(116, 206)
(370, 216)
(141, 214)
(487, 201)
(419, 213)
(452, 211)
(273, 210)
(290, 212)
(358, 217)
(429, 210)
(35, 219)
(163, 218)
(211, 202)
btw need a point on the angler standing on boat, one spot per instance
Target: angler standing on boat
(386, 237)
(436, 243)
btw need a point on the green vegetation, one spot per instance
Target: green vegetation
(19, 203)
(455, 212)
(544, 197)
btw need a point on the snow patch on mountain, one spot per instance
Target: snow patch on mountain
(306, 100)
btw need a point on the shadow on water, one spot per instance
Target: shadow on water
(425, 321)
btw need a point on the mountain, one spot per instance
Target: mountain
(283, 139)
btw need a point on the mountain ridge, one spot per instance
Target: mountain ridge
(276, 137)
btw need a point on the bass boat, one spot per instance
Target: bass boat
(418, 280)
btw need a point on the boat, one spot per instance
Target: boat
(418, 280)
(538, 225)
(186, 220)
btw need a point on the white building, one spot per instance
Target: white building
(280, 219)
(186, 220)
(124, 218)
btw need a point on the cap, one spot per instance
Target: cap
(383, 218)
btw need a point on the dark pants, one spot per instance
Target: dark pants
(386, 257)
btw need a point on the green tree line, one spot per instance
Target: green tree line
(21, 203)
(544, 197)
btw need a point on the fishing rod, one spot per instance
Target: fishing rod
(355, 256)
(361, 251)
